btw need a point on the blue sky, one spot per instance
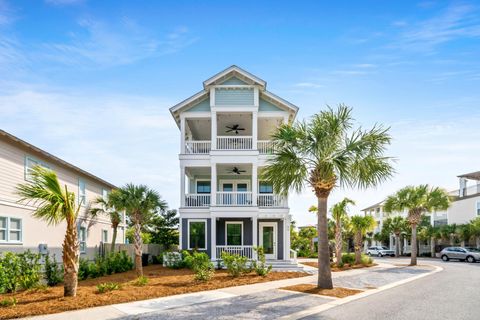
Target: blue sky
(92, 81)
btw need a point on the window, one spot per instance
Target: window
(82, 238)
(81, 192)
(203, 187)
(10, 230)
(197, 234)
(265, 187)
(105, 236)
(104, 194)
(478, 208)
(29, 164)
(233, 232)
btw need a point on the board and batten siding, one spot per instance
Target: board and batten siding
(234, 96)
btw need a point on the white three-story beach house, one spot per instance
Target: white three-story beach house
(225, 143)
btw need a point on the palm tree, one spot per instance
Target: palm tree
(339, 212)
(476, 230)
(448, 232)
(431, 233)
(55, 205)
(361, 225)
(418, 200)
(396, 225)
(465, 233)
(107, 207)
(325, 153)
(140, 204)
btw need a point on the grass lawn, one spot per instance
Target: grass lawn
(161, 282)
(347, 266)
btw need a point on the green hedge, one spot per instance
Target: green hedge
(19, 271)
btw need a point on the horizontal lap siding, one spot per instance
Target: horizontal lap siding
(234, 97)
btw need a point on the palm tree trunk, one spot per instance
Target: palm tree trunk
(338, 244)
(324, 272)
(358, 247)
(70, 260)
(114, 238)
(413, 260)
(432, 246)
(397, 245)
(138, 250)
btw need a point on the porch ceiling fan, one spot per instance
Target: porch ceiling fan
(236, 171)
(234, 128)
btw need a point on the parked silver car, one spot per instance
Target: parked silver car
(380, 251)
(459, 253)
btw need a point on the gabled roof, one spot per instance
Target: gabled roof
(234, 71)
(53, 158)
(376, 205)
(471, 176)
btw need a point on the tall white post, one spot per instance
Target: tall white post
(254, 130)
(180, 234)
(286, 237)
(182, 186)
(255, 234)
(254, 184)
(213, 238)
(182, 135)
(213, 184)
(214, 130)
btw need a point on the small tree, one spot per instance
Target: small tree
(396, 225)
(339, 214)
(448, 232)
(361, 225)
(309, 233)
(165, 228)
(465, 233)
(418, 200)
(108, 207)
(476, 230)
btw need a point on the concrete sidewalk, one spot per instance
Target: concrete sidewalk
(253, 296)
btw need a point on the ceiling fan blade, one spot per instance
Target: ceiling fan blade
(230, 130)
(241, 129)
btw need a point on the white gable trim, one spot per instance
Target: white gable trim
(231, 71)
(276, 99)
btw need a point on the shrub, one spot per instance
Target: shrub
(9, 272)
(141, 281)
(8, 302)
(53, 272)
(202, 266)
(107, 286)
(113, 263)
(366, 260)
(30, 269)
(83, 269)
(173, 260)
(348, 258)
(260, 266)
(236, 265)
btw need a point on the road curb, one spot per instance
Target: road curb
(338, 302)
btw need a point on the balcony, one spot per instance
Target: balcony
(228, 143)
(235, 199)
(198, 147)
(234, 143)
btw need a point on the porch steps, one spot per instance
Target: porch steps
(284, 265)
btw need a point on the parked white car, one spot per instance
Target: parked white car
(380, 251)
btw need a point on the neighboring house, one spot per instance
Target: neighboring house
(225, 143)
(19, 230)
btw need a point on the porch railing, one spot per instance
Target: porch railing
(198, 147)
(272, 200)
(246, 251)
(234, 198)
(197, 200)
(265, 147)
(234, 143)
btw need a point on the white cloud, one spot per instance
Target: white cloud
(308, 85)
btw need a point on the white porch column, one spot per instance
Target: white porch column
(286, 236)
(254, 184)
(255, 234)
(213, 238)
(180, 234)
(182, 134)
(182, 186)
(214, 130)
(213, 184)
(254, 130)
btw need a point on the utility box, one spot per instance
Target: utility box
(43, 248)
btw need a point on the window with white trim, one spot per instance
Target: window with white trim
(105, 236)
(10, 230)
(265, 187)
(82, 197)
(478, 208)
(203, 186)
(30, 163)
(233, 233)
(82, 239)
(105, 194)
(197, 234)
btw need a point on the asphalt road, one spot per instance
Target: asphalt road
(452, 294)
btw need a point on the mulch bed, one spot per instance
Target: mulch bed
(336, 292)
(161, 282)
(334, 268)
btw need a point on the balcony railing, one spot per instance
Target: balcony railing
(234, 143)
(272, 200)
(197, 200)
(198, 147)
(234, 198)
(245, 251)
(469, 191)
(265, 147)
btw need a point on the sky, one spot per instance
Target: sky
(92, 81)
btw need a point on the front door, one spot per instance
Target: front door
(268, 239)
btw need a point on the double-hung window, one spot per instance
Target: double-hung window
(82, 196)
(233, 232)
(265, 187)
(105, 236)
(197, 234)
(478, 208)
(30, 163)
(82, 239)
(10, 230)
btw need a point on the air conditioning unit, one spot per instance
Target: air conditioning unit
(43, 248)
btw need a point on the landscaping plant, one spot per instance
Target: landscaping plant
(108, 207)
(141, 281)
(8, 302)
(236, 264)
(200, 263)
(361, 225)
(174, 260)
(339, 214)
(260, 266)
(324, 153)
(10, 272)
(53, 273)
(107, 286)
